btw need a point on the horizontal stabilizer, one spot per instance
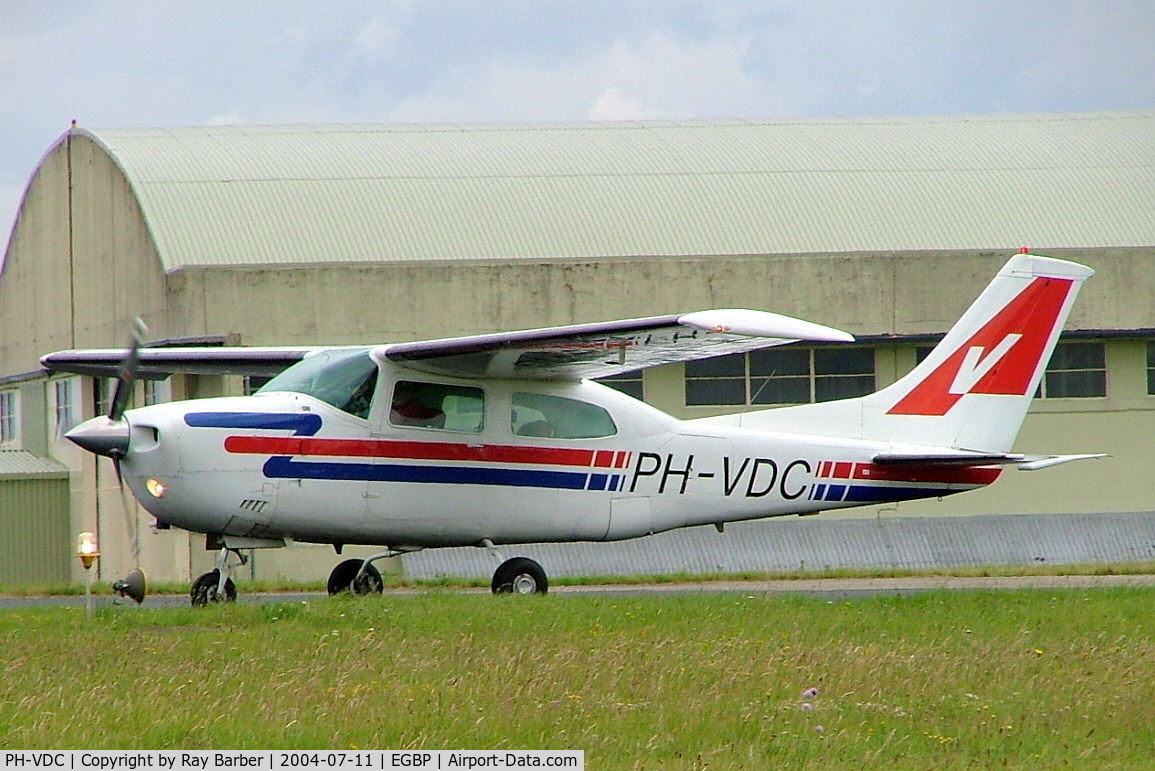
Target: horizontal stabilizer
(1023, 462)
(948, 459)
(1034, 463)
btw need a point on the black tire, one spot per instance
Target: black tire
(520, 575)
(343, 576)
(204, 590)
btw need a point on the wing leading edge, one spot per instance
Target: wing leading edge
(159, 363)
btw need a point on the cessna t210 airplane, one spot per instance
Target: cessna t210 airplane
(502, 439)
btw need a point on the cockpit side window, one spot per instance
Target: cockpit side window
(545, 415)
(345, 379)
(437, 405)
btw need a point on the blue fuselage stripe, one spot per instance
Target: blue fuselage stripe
(868, 494)
(287, 468)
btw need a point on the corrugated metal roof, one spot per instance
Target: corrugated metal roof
(17, 464)
(303, 194)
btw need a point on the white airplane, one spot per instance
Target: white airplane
(500, 439)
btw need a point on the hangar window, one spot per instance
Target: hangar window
(64, 401)
(1076, 370)
(787, 375)
(157, 391)
(102, 390)
(629, 383)
(558, 417)
(9, 419)
(437, 405)
(1151, 368)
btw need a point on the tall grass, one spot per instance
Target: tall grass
(1030, 679)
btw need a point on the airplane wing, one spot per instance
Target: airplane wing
(555, 353)
(603, 349)
(159, 363)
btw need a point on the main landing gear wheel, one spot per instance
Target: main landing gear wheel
(206, 589)
(345, 578)
(520, 575)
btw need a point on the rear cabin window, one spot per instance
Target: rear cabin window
(439, 406)
(559, 418)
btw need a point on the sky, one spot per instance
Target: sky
(144, 63)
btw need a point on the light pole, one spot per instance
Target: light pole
(87, 551)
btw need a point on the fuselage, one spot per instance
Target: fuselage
(423, 461)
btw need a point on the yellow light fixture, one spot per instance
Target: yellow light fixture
(87, 550)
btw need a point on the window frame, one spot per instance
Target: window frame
(65, 407)
(631, 384)
(1044, 389)
(10, 423)
(1151, 367)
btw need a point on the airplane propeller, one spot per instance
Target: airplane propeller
(108, 435)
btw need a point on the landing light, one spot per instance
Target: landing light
(155, 488)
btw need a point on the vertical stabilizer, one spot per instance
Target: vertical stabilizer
(972, 392)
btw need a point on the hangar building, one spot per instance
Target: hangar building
(887, 228)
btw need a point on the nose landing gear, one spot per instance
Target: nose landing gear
(216, 585)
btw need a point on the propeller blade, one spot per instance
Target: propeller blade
(128, 369)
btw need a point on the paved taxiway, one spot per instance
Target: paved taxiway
(827, 588)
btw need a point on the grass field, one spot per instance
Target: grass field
(1009, 679)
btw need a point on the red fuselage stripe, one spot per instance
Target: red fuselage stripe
(963, 475)
(383, 448)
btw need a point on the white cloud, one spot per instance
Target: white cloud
(377, 38)
(658, 76)
(661, 77)
(619, 102)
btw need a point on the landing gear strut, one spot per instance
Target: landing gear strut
(215, 585)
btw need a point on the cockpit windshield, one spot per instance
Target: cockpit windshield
(344, 378)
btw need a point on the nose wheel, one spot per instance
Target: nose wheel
(208, 589)
(216, 586)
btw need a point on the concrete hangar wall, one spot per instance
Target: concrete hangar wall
(366, 234)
